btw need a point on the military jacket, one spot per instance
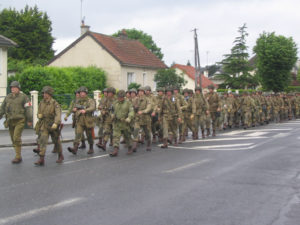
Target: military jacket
(106, 107)
(170, 108)
(142, 103)
(247, 104)
(213, 101)
(122, 110)
(191, 106)
(50, 112)
(182, 102)
(230, 105)
(16, 107)
(201, 104)
(89, 105)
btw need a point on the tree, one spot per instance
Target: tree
(31, 30)
(235, 66)
(144, 38)
(169, 77)
(276, 56)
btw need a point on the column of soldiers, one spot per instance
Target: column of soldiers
(140, 115)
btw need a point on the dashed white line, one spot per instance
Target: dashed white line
(34, 212)
(187, 166)
(84, 159)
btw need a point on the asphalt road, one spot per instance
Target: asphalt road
(241, 177)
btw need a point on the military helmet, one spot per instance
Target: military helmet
(198, 88)
(211, 86)
(191, 91)
(169, 89)
(147, 88)
(112, 90)
(160, 89)
(15, 84)
(83, 89)
(132, 90)
(176, 87)
(142, 89)
(186, 90)
(105, 90)
(121, 94)
(47, 89)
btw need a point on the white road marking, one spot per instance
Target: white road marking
(34, 212)
(187, 166)
(256, 134)
(84, 159)
(224, 139)
(280, 135)
(214, 146)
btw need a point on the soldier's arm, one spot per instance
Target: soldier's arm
(148, 108)
(183, 104)
(57, 118)
(70, 109)
(28, 109)
(179, 109)
(131, 111)
(92, 106)
(194, 108)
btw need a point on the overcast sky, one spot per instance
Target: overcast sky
(170, 22)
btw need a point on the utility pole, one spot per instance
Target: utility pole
(197, 61)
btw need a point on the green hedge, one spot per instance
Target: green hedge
(64, 81)
(234, 90)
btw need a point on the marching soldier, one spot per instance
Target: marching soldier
(247, 104)
(17, 110)
(142, 108)
(122, 115)
(84, 110)
(49, 115)
(100, 118)
(106, 108)
(171, 114)
(189, 112)
(214, 104)
(200, 112)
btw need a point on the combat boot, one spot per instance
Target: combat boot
(154, 138)
(82, 146)
(165, 143)
(37, 149)
(148, 145)
(103, 146)
(16, 161)
(175, 141)
(40, 162)
(74, 149)
(99, 143)
(203, 134)
(60, 158)
(115, 152)
(91, 150)
(170, 139)
(207, 132)
(214, 133)
(130, 150)
(134, 147)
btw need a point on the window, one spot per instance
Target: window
(130, 78)
(144, 79)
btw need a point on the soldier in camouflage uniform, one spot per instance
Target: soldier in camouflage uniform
(142, 121)
(231, 109)
(247, 104)
(123, 114)
(154, 118)
(171, 115)
(214, 104)
(49, 115)
(106, 108)
(84, 111)
(156, 112)
(188, 113)
(201, 112)
(17, 109)
(100, 121)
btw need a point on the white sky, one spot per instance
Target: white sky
(170, 22)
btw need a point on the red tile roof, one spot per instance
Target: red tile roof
(127, 52)
(190, 71)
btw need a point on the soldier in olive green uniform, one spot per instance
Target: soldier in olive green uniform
(84, 110)
(142, 121)
(247, 104)
(189, 112)
(183, 107)
(122, 115)
(200, 113)
(214, 104)
(100, 121)
(17, 109)
(171, 114)
(156, 112)
(106, 107)
(49, 115)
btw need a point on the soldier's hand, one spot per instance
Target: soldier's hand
(218, 109)
(153, 114)
(66, 118)
(29, 124)
(207, 112)
(179, 120)
(74, 109)
(82, 111)
(127, 120)
(54, 126)
(140, 112)
(192, 116)
(40, 116)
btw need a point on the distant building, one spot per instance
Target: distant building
(189, 75)
(5, 43)
(124, 60)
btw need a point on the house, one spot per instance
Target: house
(189, 75)
(124, 60)
(5, 43)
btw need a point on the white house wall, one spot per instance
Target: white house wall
(3, 73)
(190, 82)
(87, 52)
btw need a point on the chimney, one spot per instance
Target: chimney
(84, 28)
(123, 34)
